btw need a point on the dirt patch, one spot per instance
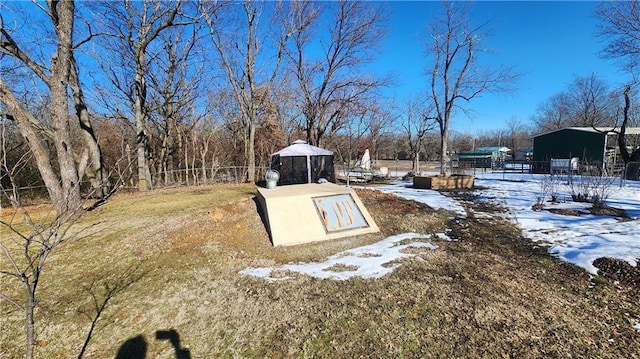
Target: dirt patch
(391, 204)
(396, 215)
(619, 270)
(565, 212)
(609, 211)
(596, 211)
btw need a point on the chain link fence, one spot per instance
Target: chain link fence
(28, 195)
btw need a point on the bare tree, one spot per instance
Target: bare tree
(17, 162)
(35, 247)
(380, 127)
(25, 251)
(586, 102)
(350, 140)
(621, 27)
(133, 28)
(518, 135)
(590, 98)
(61, 177)
(417, 122)
(243, 53)
(29, 239)
(554, 113)
(634, 154)
(328, 83)
(176, 76)
(455, 72)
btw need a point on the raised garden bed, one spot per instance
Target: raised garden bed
(443, 182)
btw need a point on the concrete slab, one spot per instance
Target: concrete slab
(305, 213)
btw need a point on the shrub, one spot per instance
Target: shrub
(591, 186)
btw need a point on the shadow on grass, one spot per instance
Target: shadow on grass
(136, 347)
(173, 337)
(133, 348)
(102, 290)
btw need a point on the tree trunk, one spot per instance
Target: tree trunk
(251, 175)
(627, 157)
(162, 164)
(30, 322)
(203, 159)
(180, 148)
(171, 148)
(310, 136)
(194, 145)
(144, 180)
(58, 84)
(29, 128)
(168, 151)
(444, 148)
(186, 161)
(95, 170)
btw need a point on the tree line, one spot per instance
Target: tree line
(94, 95)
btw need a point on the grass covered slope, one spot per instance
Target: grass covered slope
(166, 264)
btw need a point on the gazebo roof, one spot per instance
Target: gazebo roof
(302, 148)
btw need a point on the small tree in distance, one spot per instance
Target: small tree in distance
(417, 123)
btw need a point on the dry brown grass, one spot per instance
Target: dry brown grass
(176, 255)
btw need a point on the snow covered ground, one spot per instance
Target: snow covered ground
(576, 239)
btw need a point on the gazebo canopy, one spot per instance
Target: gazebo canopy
(302, 148)
(303, 163)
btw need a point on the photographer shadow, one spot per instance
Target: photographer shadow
(174, 338)
(133, 348)
(136, 347)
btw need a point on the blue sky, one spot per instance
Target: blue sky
(550, 43)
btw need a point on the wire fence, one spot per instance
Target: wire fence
(239, 174)
(629, 170)
(26, 195)
(204, 176)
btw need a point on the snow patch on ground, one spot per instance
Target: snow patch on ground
(371, 261)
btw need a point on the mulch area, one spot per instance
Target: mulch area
(617, 270)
